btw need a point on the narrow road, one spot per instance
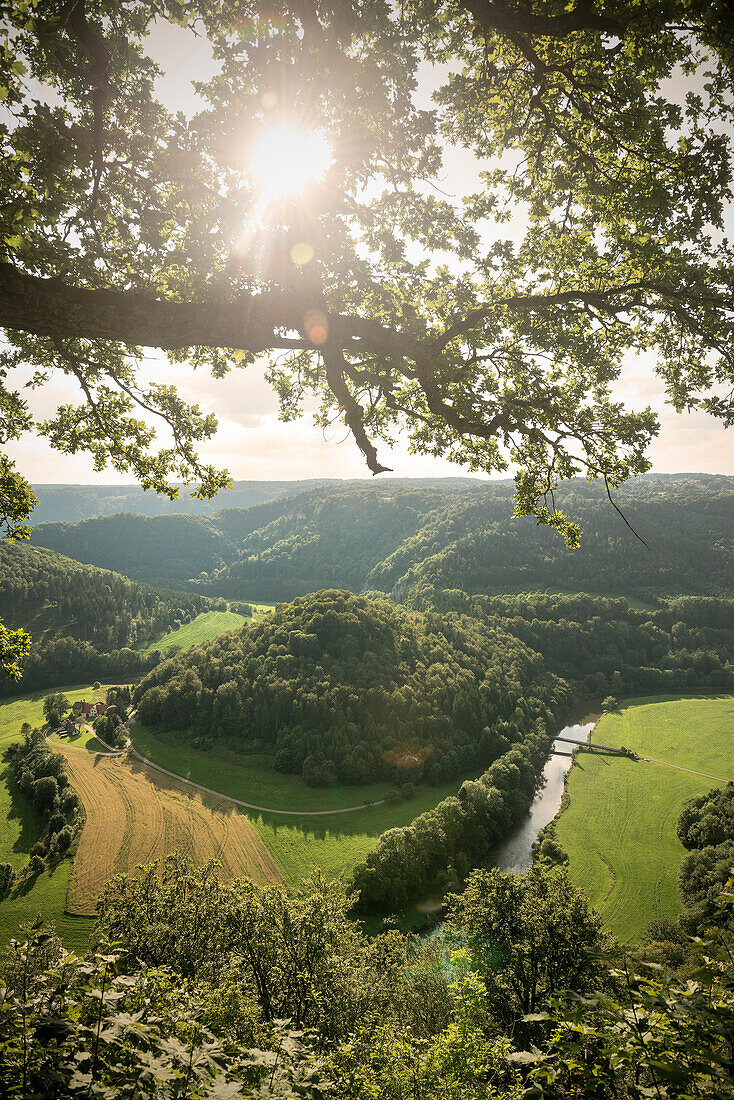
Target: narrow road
(680, 768)
(248, 805)
(209, 790)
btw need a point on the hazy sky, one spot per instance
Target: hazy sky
(253, 443)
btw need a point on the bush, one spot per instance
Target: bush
(552, 851)
(7, 877)
(36, 866)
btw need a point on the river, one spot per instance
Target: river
(515, 852)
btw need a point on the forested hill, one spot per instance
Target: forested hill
(160, 550)
(338, 686)
(470, 540)
(391, 536)
(72, 503)
(82, 620)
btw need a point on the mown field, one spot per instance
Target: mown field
(619, 827)
(298, 844)
(201, 629)
(47, 893)
(136, 815)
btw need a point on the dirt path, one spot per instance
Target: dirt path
(691, 771)
(249, 805)
(210, 790)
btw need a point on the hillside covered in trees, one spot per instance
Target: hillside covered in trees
(72, 503)
(84, 622)
(601, 644)
(391, 535)
(341, 687)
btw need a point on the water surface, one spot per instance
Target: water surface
(515, 851)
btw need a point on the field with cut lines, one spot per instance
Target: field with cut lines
(135, 815)
(619, 827)
(45, 894)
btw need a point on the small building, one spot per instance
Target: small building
(83, 709)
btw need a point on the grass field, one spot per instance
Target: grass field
(47, 893)
(297, 844)
(335, 844)
(248, 778)
(201, 629)
(136, 815)
(85, 739)
(620, 825)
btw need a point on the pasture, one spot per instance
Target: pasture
(619, 826)
(203, 628)
(298, 844)
(45, 894)
(136, 815)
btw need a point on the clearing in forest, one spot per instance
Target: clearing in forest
(619, 828)
(208, 625)
(135, 815)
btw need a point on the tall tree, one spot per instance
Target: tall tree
(604, 132)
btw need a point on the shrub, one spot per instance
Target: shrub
(36, 866)
(7, 877)
(552, 851)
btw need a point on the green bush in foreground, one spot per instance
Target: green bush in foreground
(240, 991)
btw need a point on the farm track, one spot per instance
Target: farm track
(248, 805)
(680, 768)
(135, 816)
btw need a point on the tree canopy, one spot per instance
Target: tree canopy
(600, 129)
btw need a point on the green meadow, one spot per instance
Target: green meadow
(201, 629)
(619, 826)
(334, 844)
(45, 894)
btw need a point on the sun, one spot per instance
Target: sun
(286, 158)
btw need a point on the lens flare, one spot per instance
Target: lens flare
(285, 159)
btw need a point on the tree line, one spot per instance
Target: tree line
(42, 778)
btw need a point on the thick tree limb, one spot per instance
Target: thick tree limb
(250, 322)
(335, 366)
(50, 307)
(494, 15)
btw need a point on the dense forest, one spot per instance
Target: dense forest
(393, 535)
(84, 622)
(342, 687)
(601, 644)
(198, 988)
(52, 595)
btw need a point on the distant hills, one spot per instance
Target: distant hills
(72, 503)
(394, 535)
